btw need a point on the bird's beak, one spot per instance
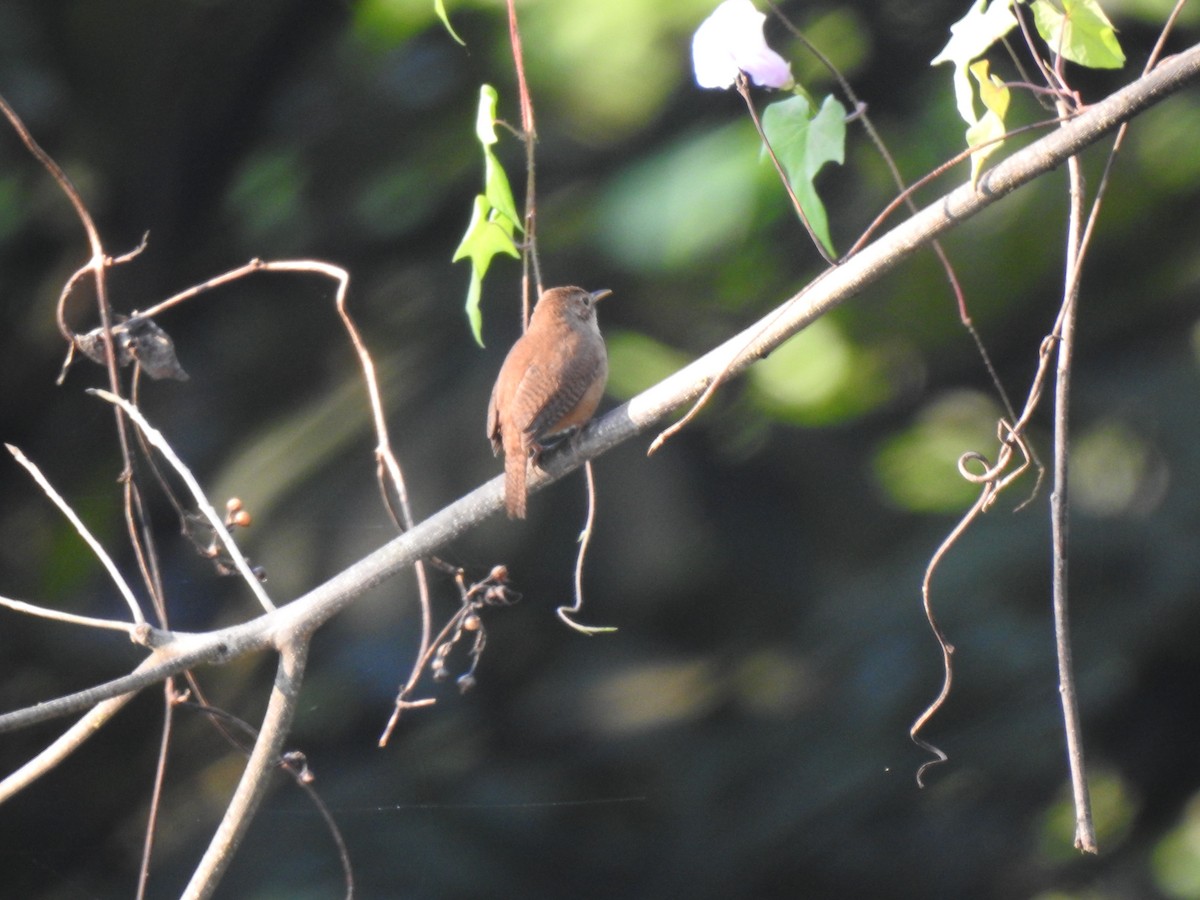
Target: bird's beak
(599, 295)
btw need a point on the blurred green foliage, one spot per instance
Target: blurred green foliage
(917, 467)
(820, 378)
(685, 203)
(1176, 859)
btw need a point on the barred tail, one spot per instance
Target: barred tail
(515, 468)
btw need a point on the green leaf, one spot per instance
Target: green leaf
(995, 96)
(495, 181)
(992, 90)
(804, 142)
(497, 190)
(1079, 32)
(494, 218)
(488, 234)
(970, 38)
(485, 116)
(439, 7)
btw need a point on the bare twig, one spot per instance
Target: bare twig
(264, 759)
(529, 138)
(335, 834)
(255, 265)
(1085, 834)
(64, 745)
(156, 791)
(90, 621)
(241, 735)
(1078, 241)
(914, 731)
(905, 197)
(105, 559)
(585, 539)
(98, 265)
(135, 512)
(218, 526)
(98, 261)
(993, 480)
(1032, 46)
(384, 456)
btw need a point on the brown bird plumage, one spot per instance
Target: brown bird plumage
(551, 382)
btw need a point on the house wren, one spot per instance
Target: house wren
(551, 382)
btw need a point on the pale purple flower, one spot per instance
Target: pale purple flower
(731, 40)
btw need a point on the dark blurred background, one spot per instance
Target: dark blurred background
(745, 732)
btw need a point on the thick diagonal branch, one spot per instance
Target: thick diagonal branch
(834, 287)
